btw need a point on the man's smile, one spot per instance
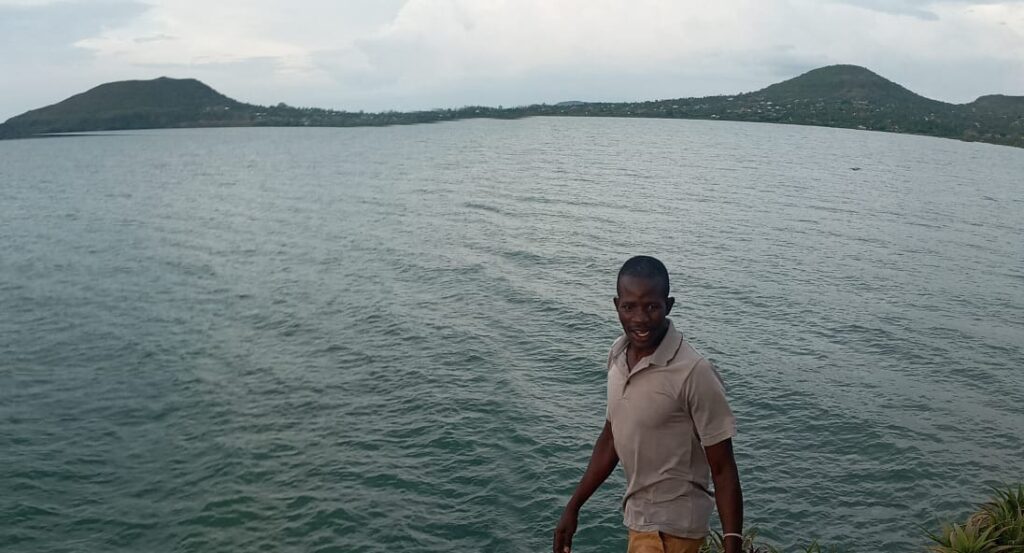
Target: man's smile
(642, 334)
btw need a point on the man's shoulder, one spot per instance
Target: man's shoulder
(701, 372)
(617, 347)
(690, 364)
(687, 357)
(699, 360)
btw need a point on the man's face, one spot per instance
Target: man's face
(643, 308)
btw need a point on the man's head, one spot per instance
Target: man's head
(642, 301)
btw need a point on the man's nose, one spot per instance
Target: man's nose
(641, 316)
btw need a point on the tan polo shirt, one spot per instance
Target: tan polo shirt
(662, 413)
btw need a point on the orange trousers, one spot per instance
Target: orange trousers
(660, 542)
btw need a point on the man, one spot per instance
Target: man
(668, 422)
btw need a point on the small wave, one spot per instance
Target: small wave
(483, 207)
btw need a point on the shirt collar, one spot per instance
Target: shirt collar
(668, 347)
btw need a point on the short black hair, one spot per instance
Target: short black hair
(644, 266)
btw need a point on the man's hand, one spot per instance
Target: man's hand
(565, 530)
(602, 463)
(728, 494)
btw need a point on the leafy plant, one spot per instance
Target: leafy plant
(997, 527)
(965, 538)
(716, 544)
(1004, 515)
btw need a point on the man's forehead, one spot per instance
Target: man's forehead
(641, 285)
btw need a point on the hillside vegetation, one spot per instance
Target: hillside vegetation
(844, 96)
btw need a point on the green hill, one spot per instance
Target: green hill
(853, 97)
(844, 96)
(159, 102)
(177, 103)
(840, 83)
(158, 94)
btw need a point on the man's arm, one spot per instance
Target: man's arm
(602, 463)
(728, 494)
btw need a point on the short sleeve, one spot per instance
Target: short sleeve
(704, 394)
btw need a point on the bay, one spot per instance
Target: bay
(394, 338)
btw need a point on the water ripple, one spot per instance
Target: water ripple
(393, 339)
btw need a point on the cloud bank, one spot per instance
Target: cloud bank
(413, 54)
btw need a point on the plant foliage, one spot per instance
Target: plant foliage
(997, 527)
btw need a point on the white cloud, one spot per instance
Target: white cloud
(434, 42)
(28, 3)
(204, 32)
(426, 53)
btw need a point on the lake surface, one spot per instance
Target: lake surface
(393, 339)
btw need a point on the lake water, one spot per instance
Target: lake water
(393, 339)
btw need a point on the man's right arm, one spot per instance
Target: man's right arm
(602, 463)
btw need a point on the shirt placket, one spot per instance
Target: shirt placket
(627, 375)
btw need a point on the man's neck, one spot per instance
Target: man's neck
(638, 353)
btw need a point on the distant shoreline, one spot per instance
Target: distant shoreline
(838, 96)
(114, 132)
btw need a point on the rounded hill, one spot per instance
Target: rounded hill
(162, 102)
(841, 82)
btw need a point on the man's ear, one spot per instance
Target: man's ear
(615, 300)
(669, 302)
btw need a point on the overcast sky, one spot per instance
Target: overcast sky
(417, 54)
